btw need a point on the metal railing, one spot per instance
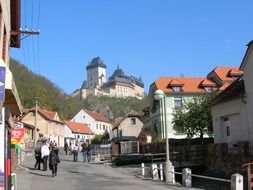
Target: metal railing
(236, 181)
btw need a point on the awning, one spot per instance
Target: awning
(11, 101)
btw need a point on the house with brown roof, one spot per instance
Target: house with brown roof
(77, 131)
(224, 76)
(232, 109)
(127, 127)
(48, 124)
(97, 122)
(177, 91)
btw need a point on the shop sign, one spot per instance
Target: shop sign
(17, 136)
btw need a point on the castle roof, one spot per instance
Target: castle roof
(96, 62)
(119, 76)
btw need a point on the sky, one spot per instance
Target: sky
(147, 38)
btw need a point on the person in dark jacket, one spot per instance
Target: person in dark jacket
(37, 152)
(66, 147)
(54, 160)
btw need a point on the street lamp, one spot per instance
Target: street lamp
(160, 96)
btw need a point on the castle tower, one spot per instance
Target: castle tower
(96, 73)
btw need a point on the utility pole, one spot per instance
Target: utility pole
(35, 122)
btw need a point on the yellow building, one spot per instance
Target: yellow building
(48, 124)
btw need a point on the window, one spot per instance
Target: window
(176, 88)
(155, 106)
(178, 102)
(228, 131)
(96, 126)
(133, 121)
(103, 127)
(208, 88)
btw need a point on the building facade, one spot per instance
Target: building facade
(232, 109)
(179, 90)
(77, 131)
(118, 85)
(48, 124)
(9, 100)
(98, 123)
(127, 127)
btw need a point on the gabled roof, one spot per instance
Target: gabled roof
(118, 120)
(207, 83)
(133, 113)
(234, 90)
(191, 85)
(79, 127)
(176, 82)
(48, 115)
(226, 73)
(249, 49)
(97, 116)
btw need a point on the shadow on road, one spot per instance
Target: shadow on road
(44, 175)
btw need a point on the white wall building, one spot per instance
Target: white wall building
(96, 122)
(77, 131)
(232, 109)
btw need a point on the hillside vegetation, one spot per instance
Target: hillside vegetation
(31, 86)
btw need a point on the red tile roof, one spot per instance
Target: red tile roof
(190, 85)
(97, 116)
(226, 73)
(48, 115)
(207, 82)
(79, 127)
(176, 82)
(234, 90)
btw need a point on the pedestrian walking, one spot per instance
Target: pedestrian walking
(84, 152)
(89, 152)
(37, 152)
(70, 148)
(75, 152)
(54, 160)
(44, 155)
(66, 147)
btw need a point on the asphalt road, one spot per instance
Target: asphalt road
(82, 176)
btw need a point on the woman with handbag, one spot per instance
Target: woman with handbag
(54, 160)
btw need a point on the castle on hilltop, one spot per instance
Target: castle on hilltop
(118, 85)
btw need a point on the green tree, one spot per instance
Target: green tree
(97, 139)
(194, 117)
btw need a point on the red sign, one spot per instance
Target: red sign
(17, 136)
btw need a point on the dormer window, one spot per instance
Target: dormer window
(208, 89)
(207, 85)
(175, 85)
(176, 88)
(234, 73)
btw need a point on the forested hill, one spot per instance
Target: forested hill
(31, 86)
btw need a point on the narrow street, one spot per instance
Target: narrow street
(79, 175)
